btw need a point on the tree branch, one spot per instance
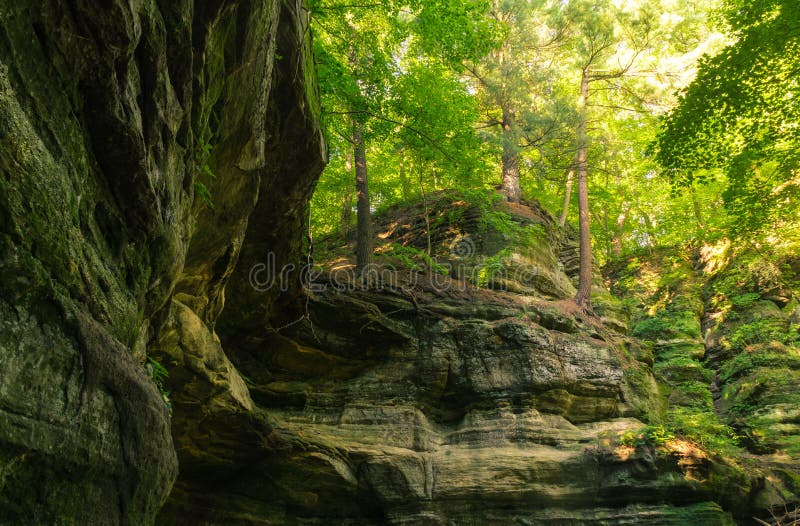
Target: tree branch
(423, 135)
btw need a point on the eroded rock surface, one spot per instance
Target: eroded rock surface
(415, 399)
(137, 140)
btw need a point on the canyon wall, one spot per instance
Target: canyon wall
(143, 144)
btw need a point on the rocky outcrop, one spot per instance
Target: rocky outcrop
(137, 140)
(720, 322)
(440, 413)
(412, 397)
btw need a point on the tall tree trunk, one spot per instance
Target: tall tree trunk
(562, 220)
(583, 297)
(510, 157)
(347, 200)
(363, 227)
(427, 211)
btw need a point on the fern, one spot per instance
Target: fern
(203, 156)
(158, 373)
(202, 192)
(416, 259)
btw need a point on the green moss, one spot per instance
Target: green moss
(694, 395)
(790, 480)
(763, 406)
(28, 493)
(689, 347)
(642, 393)
(680, 369)
(730, 483)
(774, 357)
(762, 331)
(651, 328)
(754, 351)
(687, 304)
(768, 431)
(668, 325)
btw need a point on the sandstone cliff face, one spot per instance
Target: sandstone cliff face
(412, 399)
(110, 249)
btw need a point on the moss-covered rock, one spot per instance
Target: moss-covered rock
(734, 389)
(113, 118)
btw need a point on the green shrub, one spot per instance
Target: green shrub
(703, 428)
(416, 259)
(485, 273)
(648, 436)
(668, 324)
(746, 300)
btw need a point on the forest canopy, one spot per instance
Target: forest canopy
(674, 119)
(740, 116)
